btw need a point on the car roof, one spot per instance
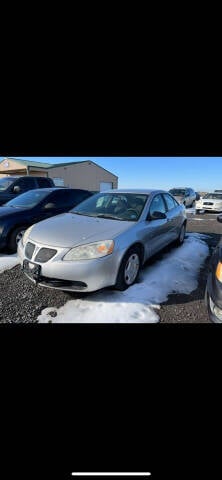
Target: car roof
(15, 177)
(55, 189)
(134, 190)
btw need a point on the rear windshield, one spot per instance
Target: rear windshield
(5, 183)
(177, 191)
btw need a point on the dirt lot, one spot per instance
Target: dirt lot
(22, 301)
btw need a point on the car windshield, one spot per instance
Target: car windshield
(117, 206)
(5, 183)
(214, 196)
(28, 199)
(177, 191)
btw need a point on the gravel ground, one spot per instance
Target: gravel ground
(21, 301)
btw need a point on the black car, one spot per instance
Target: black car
(213, 293)
(32, 207)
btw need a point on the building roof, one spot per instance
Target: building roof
(29, 162)
(53, 165)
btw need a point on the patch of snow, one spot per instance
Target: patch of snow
(8, 261)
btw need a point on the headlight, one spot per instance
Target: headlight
(90, 250)
(26, 234)
(219, 271)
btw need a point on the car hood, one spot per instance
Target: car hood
(6, 211)
(68, 230)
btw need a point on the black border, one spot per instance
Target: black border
(120, 397)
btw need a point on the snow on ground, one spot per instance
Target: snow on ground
(176, 272)
(8, 261)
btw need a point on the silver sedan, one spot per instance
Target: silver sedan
(103, 241)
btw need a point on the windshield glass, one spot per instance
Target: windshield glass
(28, 199)
(216, 196)
(5, 183)
(177, 191)
(118, 206)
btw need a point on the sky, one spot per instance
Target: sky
(203, 174)
(176, 272)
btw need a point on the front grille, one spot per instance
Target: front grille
(29, 249)
(45, 254)
(208, 203)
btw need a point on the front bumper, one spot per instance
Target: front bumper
(213, 208)
(75, 276)
(213, 298)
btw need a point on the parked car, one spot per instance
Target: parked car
(31, 207)
(187, 196)
(102, 242)
(11, 187)
(213, 293)
(210, 202)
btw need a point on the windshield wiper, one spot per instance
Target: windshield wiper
(103, 215)
(79, 213)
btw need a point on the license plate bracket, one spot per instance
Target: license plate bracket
(33, 270)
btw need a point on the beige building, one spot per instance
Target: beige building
(86, 174)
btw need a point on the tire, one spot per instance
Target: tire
(181, 236)
(129, 269)
(14, 238)
(197, 210)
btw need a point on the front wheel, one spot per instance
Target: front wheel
(129, 269)
(181, 237)
(15, 237)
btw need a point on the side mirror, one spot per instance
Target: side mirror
(156, 216)
(219, 218)
(16, 189)
(48, 206)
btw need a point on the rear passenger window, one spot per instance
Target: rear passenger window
(25, 183)
(66, 198)
(170, 201)
(78, 197)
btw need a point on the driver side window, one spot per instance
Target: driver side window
(157, 205)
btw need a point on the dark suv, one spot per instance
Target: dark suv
(10, 187)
